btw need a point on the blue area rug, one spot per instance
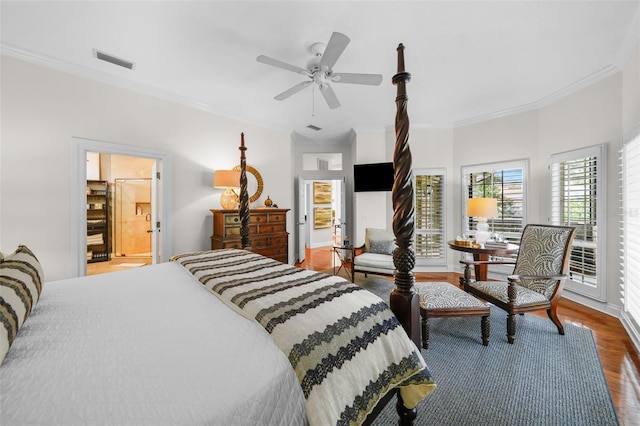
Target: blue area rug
(542, 379)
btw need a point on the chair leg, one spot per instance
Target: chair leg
(485, 326)
(511, 328)
(425, 332)
(553, 316)
(465, 279)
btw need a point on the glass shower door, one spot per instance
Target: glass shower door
(133, 218)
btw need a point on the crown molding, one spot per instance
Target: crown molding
(629, 42)
(623, 54)
(87, 73)
(583, 83)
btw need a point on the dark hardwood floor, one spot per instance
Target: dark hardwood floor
(619, 358)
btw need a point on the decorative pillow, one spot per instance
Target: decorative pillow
(21, 280)
(381, 246)
(381, 241)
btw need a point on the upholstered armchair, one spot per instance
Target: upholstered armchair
(376, 254)
(538, 276)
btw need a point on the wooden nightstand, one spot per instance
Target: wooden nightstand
(267, 232)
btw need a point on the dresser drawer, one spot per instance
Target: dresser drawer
(259, 242)
(278, 240)
(218, 243)
(269, 228)
(272, 251)
(267, 232)
(234, 231)
(277, 217)
(231, 219)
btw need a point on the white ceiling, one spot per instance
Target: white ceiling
(469, 61)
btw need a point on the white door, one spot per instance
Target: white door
(301, 220)
(155, 212)
(344, 223)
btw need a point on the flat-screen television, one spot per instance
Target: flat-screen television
(373, 177)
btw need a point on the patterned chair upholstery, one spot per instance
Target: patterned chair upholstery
(447, 300)
(536, 284)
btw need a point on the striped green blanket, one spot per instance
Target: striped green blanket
(345, 345)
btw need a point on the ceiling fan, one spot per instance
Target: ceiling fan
(319, 70)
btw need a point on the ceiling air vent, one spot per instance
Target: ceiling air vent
(112, 59)
(312, 127)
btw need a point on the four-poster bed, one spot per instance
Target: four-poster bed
(222, 336)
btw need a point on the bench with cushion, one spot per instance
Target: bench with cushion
(446, 300)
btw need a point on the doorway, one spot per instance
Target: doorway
(127, 213)
(321, 212)
(154, 205)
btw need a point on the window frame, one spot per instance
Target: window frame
(629, 239)
(442, 260)
(596, 290)
(496, 271)
(493, 168)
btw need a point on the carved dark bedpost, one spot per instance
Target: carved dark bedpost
(404, 300)
(243, 209)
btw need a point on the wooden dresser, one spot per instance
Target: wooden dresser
(267, 232)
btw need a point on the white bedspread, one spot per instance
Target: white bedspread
(148, 346)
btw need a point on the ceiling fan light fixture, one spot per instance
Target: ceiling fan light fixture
(320, 70)
(317, 48)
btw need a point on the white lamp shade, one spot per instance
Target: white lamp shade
(226, 179)
(482, 207)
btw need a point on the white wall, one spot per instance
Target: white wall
(371, 209)
(433, 148)
(43, 109)
(590, 117)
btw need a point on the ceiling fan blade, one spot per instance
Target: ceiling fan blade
(276, 63)
(329, 96)
(292, 91)
(337, 43)
(351, 78)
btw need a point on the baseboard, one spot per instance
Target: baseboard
(632, 329)
(603, 307)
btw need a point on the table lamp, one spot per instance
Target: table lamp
(229, 180)
(481, 209)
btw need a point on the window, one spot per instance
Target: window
(504, 181)
(578, 199)
(631, 232)
(429, 217)
(322, 161)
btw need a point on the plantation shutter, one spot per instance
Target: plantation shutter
(429, 217)
(504, 181)
(631, 229)
(577, 191)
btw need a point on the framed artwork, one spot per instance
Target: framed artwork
(322, 218)
(321, 193)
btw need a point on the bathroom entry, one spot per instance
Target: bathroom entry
(132, 214)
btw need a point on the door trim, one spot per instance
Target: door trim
(78, 213)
